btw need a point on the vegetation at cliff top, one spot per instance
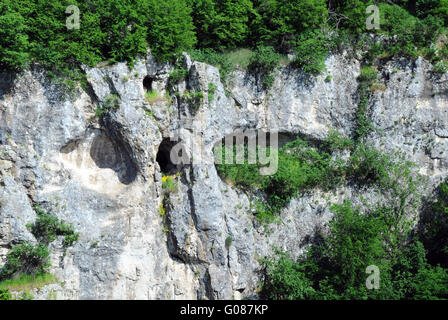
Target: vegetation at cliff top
(121, 30)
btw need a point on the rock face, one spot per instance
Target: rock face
(200, 241)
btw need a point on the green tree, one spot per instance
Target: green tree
(14, 46)
(311, 48)
(222, 24)
(280, 22)
(424, 8)
(353, 14)
(170, 27)
(286, 280)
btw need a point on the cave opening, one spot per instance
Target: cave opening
(168, 165)
(147, 83)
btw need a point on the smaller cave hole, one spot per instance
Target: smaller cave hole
(168, 165)
(147, 83)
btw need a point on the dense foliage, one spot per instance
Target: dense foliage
(117, 30)
(411, 261)
(263, 62)
(302, 167)
(411, 265)
(335, 266)
(5, 294)
(120, 30)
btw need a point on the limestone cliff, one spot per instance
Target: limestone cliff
(103, 174)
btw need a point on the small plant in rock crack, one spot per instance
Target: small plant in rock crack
(111, 102)
(169, 184)
(178, 74)
(228, 242)
(211, 91)
(194, 99)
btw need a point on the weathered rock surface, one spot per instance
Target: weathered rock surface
(102, 175)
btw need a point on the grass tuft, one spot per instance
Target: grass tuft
(26, 282)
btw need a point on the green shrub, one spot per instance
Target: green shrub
(178, 74)
(281, 22)
(370, 166)
(367, 77)
(47, 227)
(334, 267)
(26, 258)
(169, 25)
(311, 49)
(264, 61)
(243, 175)
(109, 30)
(112, 101)
(193, 99)
(115, 30)
(285, 279)
(151, 96)
(221, 24)
(14, 46)
(300, 167)
(26, 296)
(5, 294)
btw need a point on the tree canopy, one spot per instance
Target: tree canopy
(120, 30)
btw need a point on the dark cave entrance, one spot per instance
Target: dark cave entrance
(168, 165)
(147, 83)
